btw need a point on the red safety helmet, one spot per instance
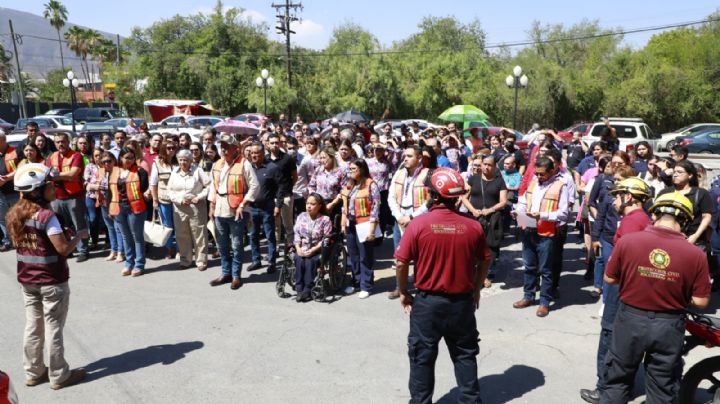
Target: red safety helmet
(447, 182)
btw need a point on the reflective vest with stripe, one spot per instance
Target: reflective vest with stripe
(419, 190)
(10, 159)
(362, 201)
(38, 263)
(235, 190)
(72, 187)
(25, 161)
(549, 203)
(132, 189)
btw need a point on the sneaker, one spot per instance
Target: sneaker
(364, 294)
(394, 294)
(76, 375)
(137, 272)
(82, 258)
(349, 290)
(126, 272)
(32, 382)
(5, 247)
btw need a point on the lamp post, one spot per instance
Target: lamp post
(516, 80)
(265, 81)
(72, 83)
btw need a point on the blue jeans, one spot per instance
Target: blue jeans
(599, 271)
(361, 255)
(537, 256)
(6, 201)
(229, 234)
(93, 218)
(606, 251)
(113, 231)
(132, 226)
(264, 218)
(166, 215)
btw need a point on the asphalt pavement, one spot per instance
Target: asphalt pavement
(168, 337)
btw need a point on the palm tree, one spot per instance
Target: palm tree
(75, 38)
(92, 40)
(57, 14)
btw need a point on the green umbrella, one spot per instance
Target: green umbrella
(463, 113)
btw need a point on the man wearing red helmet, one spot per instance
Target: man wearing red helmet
(449, 274)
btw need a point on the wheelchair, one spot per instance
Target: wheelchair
(331, 274)
(286, 274)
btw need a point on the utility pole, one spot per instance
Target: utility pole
(283, 27)
(18, 78)
(117, 50)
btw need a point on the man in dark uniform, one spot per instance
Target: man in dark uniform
(659, 277)
(451, 261)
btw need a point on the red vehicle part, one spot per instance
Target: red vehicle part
(705, 327)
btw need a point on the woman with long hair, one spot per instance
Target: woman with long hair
(211, 154)
(163, 166)
(361, 208)
(643, 154)
(102, 187)
(42, 271)
(127, 204)
(46, 149)
(32, 155)
(328, 181)
(90, 177)
(312, 228)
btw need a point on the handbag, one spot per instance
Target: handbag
(155, 232)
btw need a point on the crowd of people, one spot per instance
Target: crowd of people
(295, 185)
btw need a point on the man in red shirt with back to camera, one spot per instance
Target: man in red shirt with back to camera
(451, 262)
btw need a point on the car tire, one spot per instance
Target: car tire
(669, 145)
(706, 152)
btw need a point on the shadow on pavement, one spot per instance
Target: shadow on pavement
(515, 382)
(140, 358)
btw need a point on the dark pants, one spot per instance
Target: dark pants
(263, 217)
(387, 221)
(298, 207)
(453, 318)
(557, 255)
(362, 259)
(612, 302)
(537, 251)
(305, 272)
(655, 341)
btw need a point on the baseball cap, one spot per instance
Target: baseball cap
(228, 138)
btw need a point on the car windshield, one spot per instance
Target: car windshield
(42, 123)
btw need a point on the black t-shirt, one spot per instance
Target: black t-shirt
(484, 194)
(286, 165)
(702, 203)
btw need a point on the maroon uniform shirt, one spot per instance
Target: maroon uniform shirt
(636, 220)
(444, 246)
(659, 270)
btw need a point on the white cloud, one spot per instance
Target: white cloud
(308, 34)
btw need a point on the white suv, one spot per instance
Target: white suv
(629, 132)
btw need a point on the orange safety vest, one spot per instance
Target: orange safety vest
(363, 202)
(132, 186)
(549, 204)
(419, 190)
(235, 191)
(72, 187)
(10, 159)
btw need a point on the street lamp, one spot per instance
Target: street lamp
(72, 83)
(264, 81)
(516, 80)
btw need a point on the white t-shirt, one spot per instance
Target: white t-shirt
(53, 226)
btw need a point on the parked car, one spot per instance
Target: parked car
(43, 123)
(97, 114)
(629, 132)
(58, 111)
(567, 134)
(254, 119)
(6, 126)
(60, 121)
(123, 122)
(15, 139)
(667, 140)
(702, 142)
(200, 122)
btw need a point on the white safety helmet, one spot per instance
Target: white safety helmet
(31, 177)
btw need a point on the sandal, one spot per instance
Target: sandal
(111, 257)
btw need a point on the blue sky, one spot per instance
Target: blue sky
(394, 20)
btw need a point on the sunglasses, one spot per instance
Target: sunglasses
(107, 161)
(194, 150)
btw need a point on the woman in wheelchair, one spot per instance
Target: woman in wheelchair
(312, 228)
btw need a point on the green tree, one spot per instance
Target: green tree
(57, 14)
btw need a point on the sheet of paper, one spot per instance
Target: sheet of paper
(523, 220)
(363, 230)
